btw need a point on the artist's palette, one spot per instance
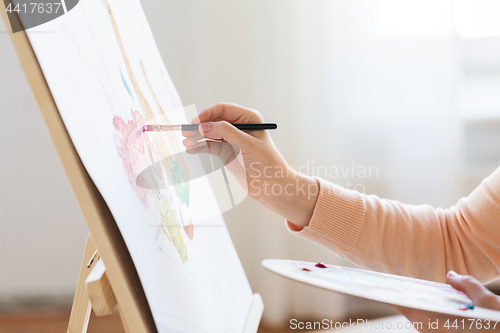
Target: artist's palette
(385, 288)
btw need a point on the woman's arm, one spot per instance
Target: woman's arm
(380, 234)
(263, 172)
(417, 241)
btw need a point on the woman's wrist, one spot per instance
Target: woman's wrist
(301, 205)
(292, 196)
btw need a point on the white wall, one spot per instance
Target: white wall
(42, 232)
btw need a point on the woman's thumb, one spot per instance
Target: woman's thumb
(224, 130)
(478, 293)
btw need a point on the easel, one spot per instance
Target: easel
(94, 292)
(99, 287)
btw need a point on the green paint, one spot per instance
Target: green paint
(181, 184)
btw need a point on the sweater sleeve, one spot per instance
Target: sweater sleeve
(417, 241)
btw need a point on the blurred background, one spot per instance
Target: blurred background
(408, 88)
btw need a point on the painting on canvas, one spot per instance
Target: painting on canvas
(108, 80)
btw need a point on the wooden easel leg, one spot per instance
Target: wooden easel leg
(80, 313)
(125, 327)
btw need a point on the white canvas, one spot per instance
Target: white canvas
(108, 79)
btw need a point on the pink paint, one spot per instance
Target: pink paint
(187, 223)
(189, 229)
(320, 265)
(132, 145)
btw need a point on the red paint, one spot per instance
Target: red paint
(189, 229)
(320, 265)
(187, 224)
(306, 269)
(466, 307)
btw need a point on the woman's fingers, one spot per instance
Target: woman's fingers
(189, 133)
(478, 293)
(192, 139)
(215, 123)
(225, 131)
(231, 113)
(223, 150)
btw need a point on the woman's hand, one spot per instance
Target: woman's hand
(479, 295)
(262, 170)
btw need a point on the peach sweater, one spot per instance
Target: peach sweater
(417, 241)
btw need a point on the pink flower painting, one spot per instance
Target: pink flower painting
(132, 146)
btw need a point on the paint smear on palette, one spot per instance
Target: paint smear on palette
(181, 184)
(132, 145)
(125, 84)
(384, 284)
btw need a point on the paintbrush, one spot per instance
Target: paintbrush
(194, 127)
